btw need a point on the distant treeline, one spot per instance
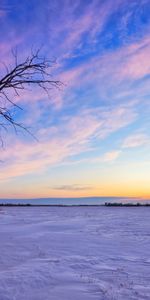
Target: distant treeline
(126, 204)
(72, 205)
(15, 204)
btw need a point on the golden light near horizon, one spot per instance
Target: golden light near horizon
(94, 133)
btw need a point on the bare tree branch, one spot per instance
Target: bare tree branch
(33, 71)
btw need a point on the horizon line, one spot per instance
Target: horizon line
(80, 197)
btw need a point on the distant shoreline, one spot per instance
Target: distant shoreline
(75, 205)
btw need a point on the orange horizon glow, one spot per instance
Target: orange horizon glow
(93, 134)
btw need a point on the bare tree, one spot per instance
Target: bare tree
(33, 71)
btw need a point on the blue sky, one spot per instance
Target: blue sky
(93, 134)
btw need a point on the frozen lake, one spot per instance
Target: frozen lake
(74, 253)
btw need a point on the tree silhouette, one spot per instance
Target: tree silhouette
(33, 71)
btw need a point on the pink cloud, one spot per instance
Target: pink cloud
(130, 63)
(136, 140)
(108, 157)
(111, 156)
(137, 61)
(91, 22)
(2, 13)
(72, 137)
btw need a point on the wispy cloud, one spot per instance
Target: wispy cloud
(2, 13)
(72, 187)
(136, 140)
(107, 157)
(80, 29)
(111, 156)
(73, 136)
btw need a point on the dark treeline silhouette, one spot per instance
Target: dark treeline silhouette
(15, 204)
(126, 204)
(114, 204)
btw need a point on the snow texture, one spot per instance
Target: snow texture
(74, 253)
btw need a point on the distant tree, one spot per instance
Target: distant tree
(34, 70)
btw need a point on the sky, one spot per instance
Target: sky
(93, 135)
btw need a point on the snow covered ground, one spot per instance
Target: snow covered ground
(74, 253)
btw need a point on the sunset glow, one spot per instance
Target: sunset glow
(93, 135)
